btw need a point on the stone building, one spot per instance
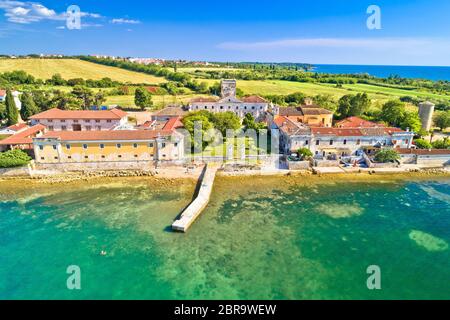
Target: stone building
(228, 101)
(56, 147)
(426, 110)
(80, 120)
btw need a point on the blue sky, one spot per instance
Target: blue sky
(414, 32)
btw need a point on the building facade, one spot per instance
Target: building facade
(339, 142)
(108, 146)
(80, 120)
(308, 114)
(228, 102)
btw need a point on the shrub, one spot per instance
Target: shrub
(13, 158)
(304, 153)
(387, 155)
(422, 144)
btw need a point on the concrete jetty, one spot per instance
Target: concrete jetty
(196, 207)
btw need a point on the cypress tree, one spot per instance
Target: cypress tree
(12, 114)
(28, 106)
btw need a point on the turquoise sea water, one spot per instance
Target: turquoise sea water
(415, 72)
(258, 239)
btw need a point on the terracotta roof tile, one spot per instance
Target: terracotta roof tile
(254, 99)
(132, 135)
(113, 114)
(23, 137)
(356, 122)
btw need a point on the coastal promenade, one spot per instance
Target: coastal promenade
(196, 207)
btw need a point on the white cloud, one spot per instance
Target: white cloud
(125, 21)
(26, 12)
(376, 43)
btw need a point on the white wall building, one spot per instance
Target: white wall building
(255, 105)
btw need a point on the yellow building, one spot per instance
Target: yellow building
(108, 146)
(311, 115)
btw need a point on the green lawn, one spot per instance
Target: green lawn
(158, 101)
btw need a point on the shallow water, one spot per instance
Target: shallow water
(259, 238)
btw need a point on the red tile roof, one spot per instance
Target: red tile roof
(355, 132)
(132, 135)
(254, 99)
(173, 123)
(23, 137)
(201, 99)
(113, 114)
(356, 122)
(290, 127)
(17, 127)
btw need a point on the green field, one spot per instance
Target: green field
(74, 68)
(280, 87)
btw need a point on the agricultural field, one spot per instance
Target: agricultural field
(280, 87)
(74, 68)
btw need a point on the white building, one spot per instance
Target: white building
(255, 105)
(80, 120)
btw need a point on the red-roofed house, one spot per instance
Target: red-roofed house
(324, 141)
(15, 128)
(356, 122)
(80, 120)
(136, 146)
(22, 139)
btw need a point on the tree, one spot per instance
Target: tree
(295, 98)
(441, 144)
(393, 112)
(304, 153)
(99, 98)
(85, 95)
(249, 121)
(353, 105)
(2, 112)
(422, 144)
(412, 121)
(65, 101)
(42, 99)
(28, 108)
(189, 123)
(12, 114)
(226, 120)
(143, 98)
(326, 101)
(386, 155)
(57, 80)
(442, 120)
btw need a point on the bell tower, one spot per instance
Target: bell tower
(228, 88)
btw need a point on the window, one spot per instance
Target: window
(85, 146)
(56, 158)
(68, 146)
(317, 142)
(119, 156)
(206, 107)
(345, 141)
(87, 121)
(103, 157)
(119, 146)
(99, 128)
(163, 145)
(69, 157)
(176, 144)
(306, 142)
(150, 145)
(50, 128)
(135, 145)
(331, 142)
(50, 121)
(135, 155)
(109, 121)
(42, 158)
(88, 128)
(97, 121)
(221, 107)
(41, 147)
(102, 146)
(64, 128)
(63, 120)
(86, 157)
(358, 142)
(75, 121)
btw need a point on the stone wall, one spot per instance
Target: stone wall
(299, 165)
(18, 171)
